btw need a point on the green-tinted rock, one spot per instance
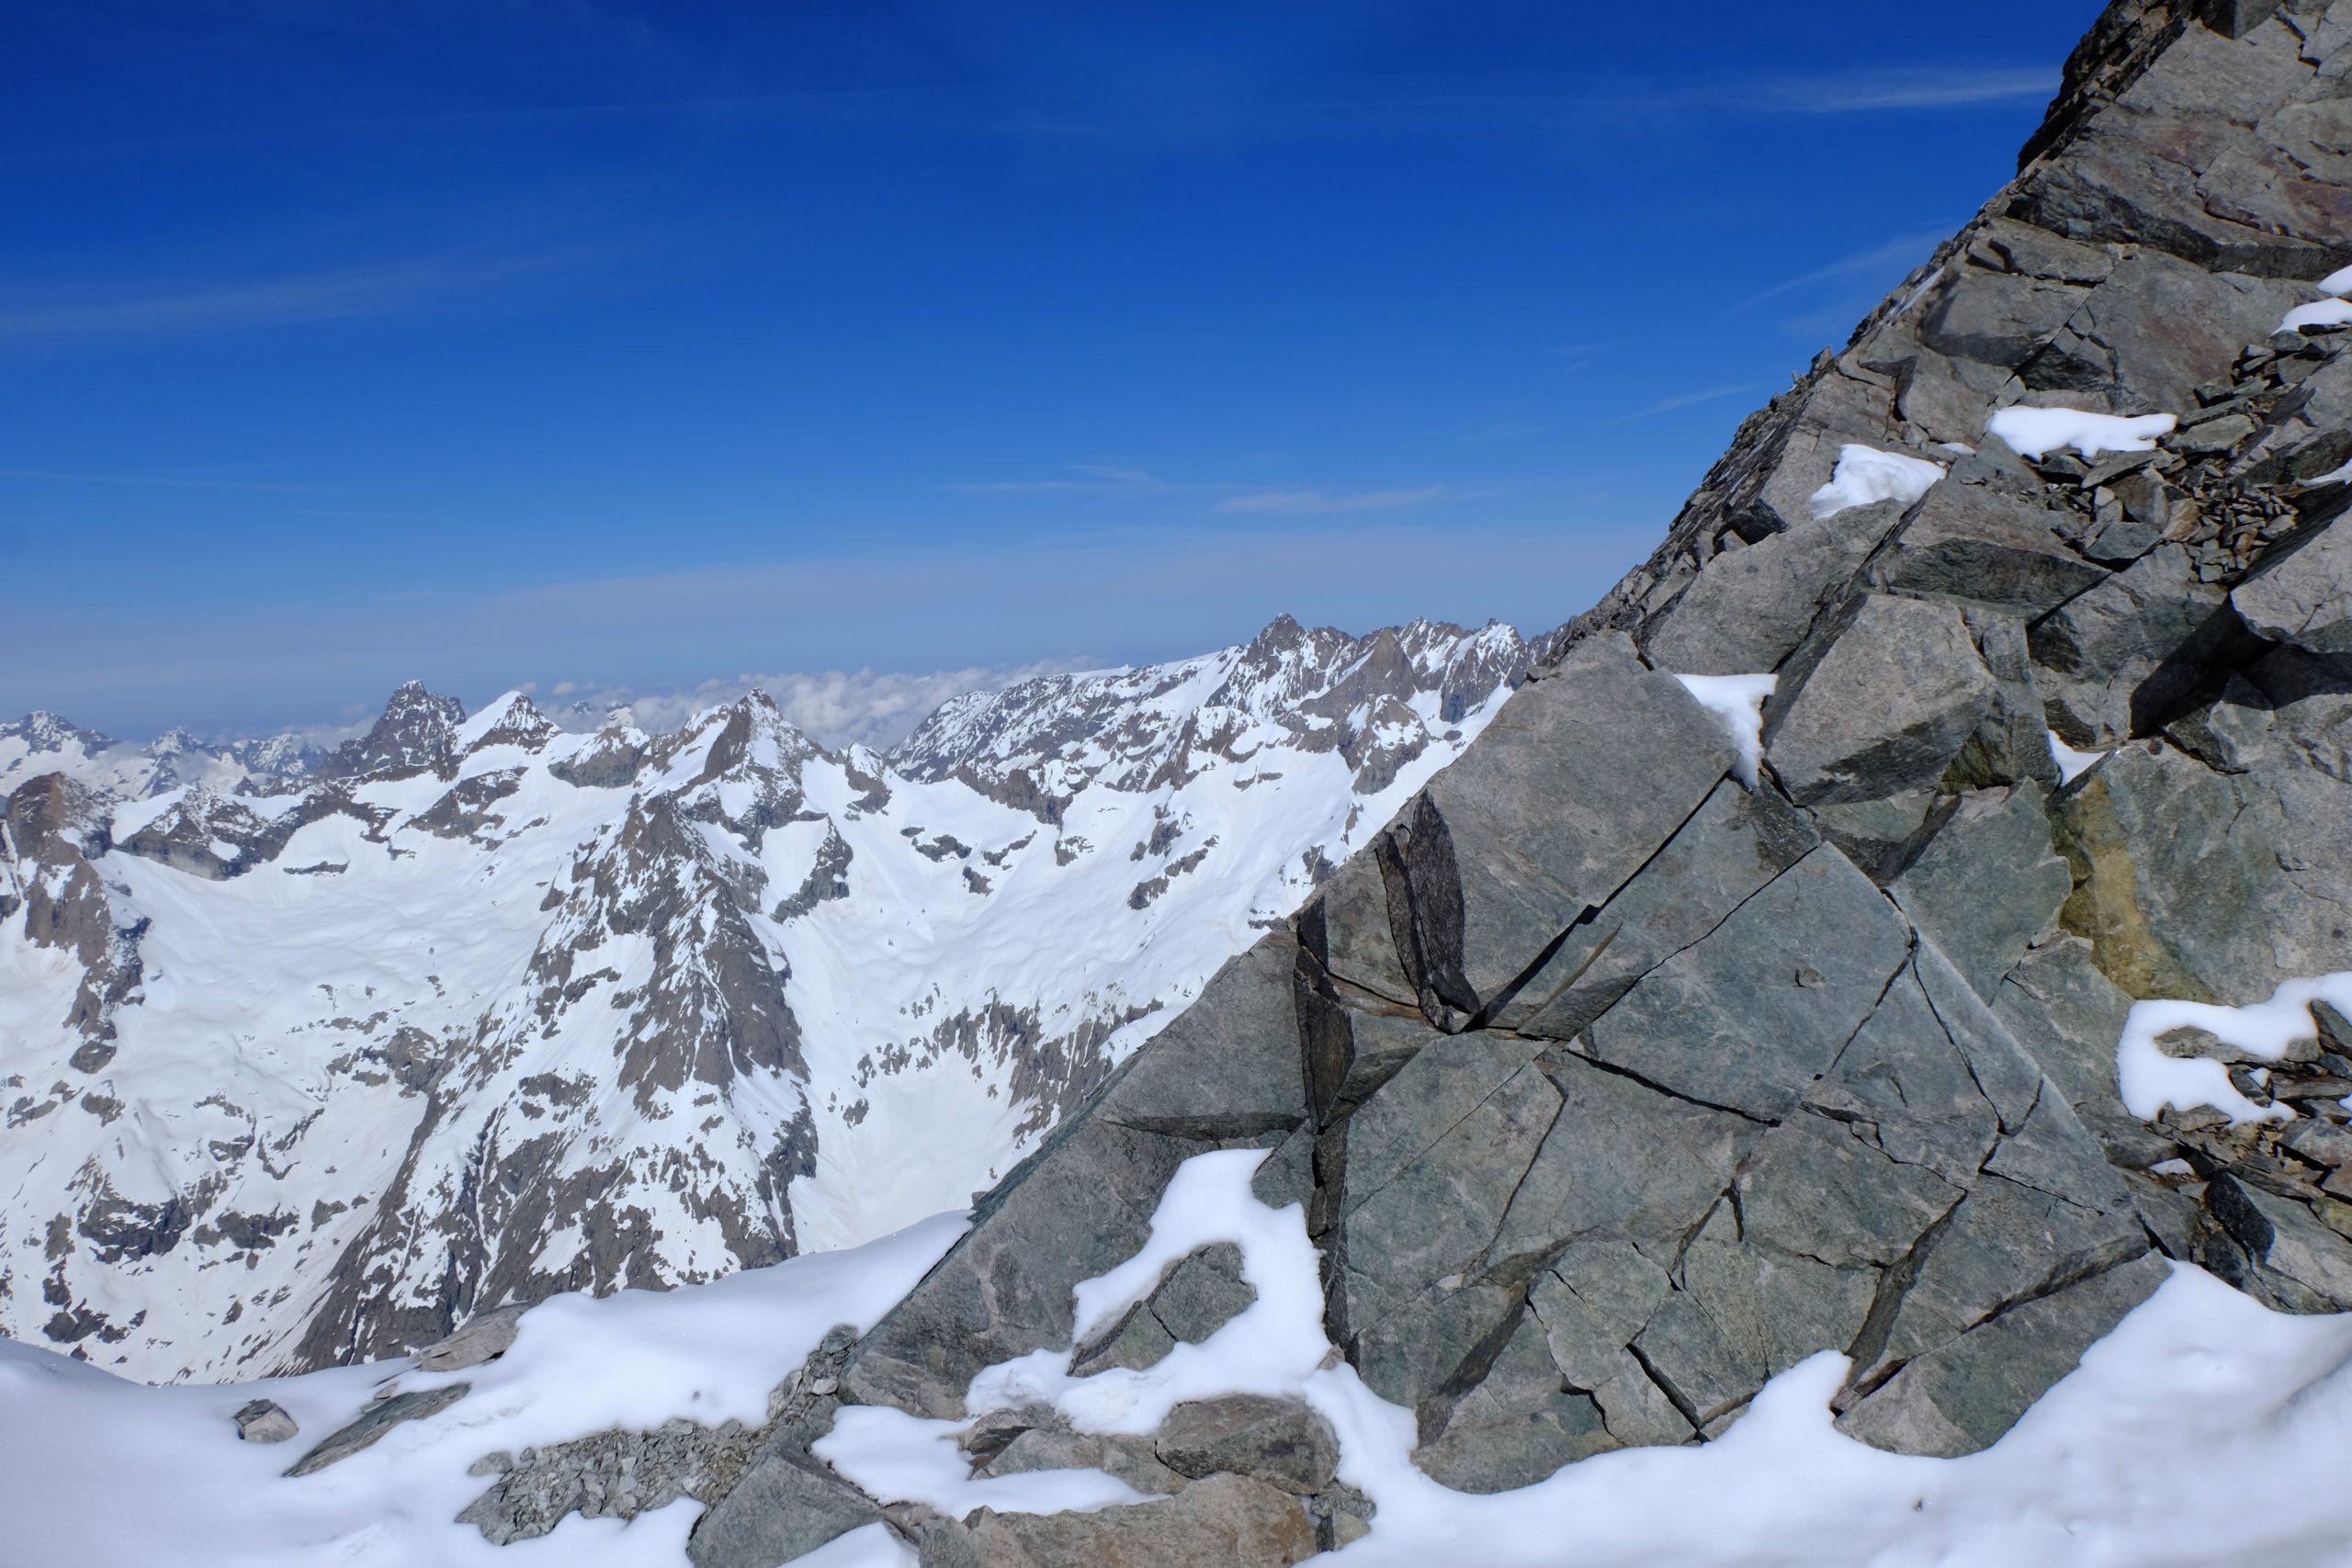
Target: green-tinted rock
(1351, 917)
(2010, 1078)
(2126, 656)
(1593, 1302)
(1909, 1089)
(1814, 1189)
(1415, 1351)
(1436, 1218)
(1969, 542)
(1621, 1161)
(1880, 699)
(1200, 1293)
(2302, 594)
(1079, 1209)
(1229, 1066)
(1738, 841)
(1987, 884)
(1963, 1395)
(2068, 1017)
(1380, 1045)
(781, 1508)
(1428, 1098)
(1517, 1427)
(1573, 785)
(1747, 1018)
(2004, 1243)
(1749, 609)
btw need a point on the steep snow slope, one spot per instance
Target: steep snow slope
(482, 1011)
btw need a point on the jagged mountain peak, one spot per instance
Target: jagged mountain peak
(41, 730)
(509, 719)
(1037, 743)
(416, 733)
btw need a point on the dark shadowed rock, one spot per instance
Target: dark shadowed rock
(2126, 656)
(374, 1422)
(1990, 548)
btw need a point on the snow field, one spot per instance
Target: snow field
(2101, 1474)
(74, 1440)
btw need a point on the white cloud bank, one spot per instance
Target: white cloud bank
(833, 707)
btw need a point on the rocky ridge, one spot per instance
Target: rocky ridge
(1609, 1086)
(303, 1069)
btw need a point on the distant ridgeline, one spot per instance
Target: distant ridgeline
(1609, 1087)
(306, 1057)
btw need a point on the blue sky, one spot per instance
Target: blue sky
(634, 346)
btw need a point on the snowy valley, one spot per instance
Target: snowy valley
(307, 1057)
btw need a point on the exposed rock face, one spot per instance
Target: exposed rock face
(475, 1010)
(374, 1422)
(1611, 1089)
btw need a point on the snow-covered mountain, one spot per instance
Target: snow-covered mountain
(303, 1057)
(43, 743)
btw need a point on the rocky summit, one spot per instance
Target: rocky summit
(1611, 1086)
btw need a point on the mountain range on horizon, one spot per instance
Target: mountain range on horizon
(315, 1052)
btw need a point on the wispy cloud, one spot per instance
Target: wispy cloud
(1538, 101)
(1077, 478)
(252, 663)
(1874, 263)
(1687, 400)
(290, 298)
(833, 707)
(1906, 88)
(1298, 503)
(1109, 481)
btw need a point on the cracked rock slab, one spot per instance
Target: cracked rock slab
(374, 1422)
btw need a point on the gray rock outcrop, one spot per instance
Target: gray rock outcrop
(264, 1421)
(1611, 1088)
